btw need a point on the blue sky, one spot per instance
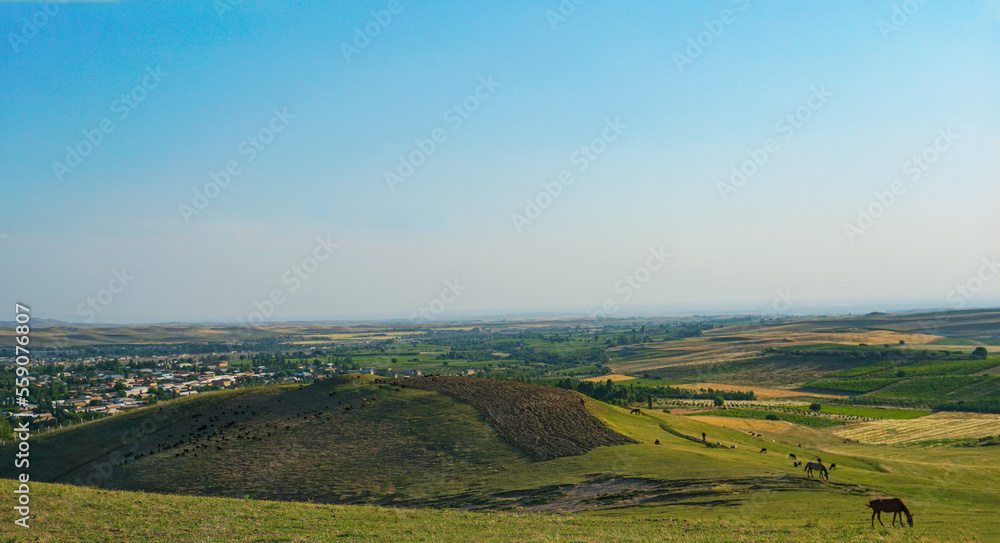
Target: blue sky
(888, 92)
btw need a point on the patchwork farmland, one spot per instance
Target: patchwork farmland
(936, 427)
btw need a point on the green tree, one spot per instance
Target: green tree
(980, 353)
(719, 401)
(815, 407)
(6, 432)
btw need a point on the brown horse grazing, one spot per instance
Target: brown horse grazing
(792, 456)
(889, 505)
(636, 411)
(816, 466)
(763, 450)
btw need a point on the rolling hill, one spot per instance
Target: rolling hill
(422, 447)
(340, 440)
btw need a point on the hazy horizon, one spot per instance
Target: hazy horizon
(574, 314)
(178, 162)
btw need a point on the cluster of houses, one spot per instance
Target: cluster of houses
(104, 398)
(115, 393)
(112, 393)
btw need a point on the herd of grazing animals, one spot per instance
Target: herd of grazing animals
(877, 505)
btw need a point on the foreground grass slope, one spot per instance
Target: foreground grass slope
(68, 513)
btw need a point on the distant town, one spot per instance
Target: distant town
(74, 385)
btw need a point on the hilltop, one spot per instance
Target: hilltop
(543, 421)
(340, 440)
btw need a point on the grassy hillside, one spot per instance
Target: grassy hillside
(393, 445)
(422, 449)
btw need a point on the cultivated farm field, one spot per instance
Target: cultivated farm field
(939, 426)
(763, 393)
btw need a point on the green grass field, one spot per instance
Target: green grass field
(931, 388)
(79, 514)
(957, 342)
(869, 370)
(850, 385)
(887, 369)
